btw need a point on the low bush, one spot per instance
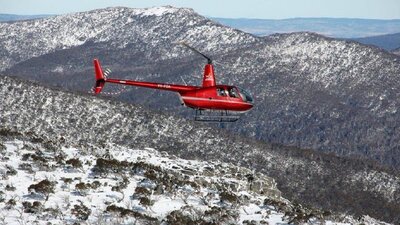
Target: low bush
(81, 212)
(32, 207)
(44, 187)
(105, 166)
(123, 212)
(75, 163)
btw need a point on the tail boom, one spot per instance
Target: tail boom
(160, 86)
(101, 80)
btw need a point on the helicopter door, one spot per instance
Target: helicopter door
(233, 92)
(221, 92)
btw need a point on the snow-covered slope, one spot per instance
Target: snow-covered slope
(149, 186)
(311, 91)
(118, 27)
(327, 62)
(60, 119)
(396, 51)
(321, 93)
(123, 186)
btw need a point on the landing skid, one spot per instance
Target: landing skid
(215, 116)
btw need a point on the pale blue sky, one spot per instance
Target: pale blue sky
(263, 9)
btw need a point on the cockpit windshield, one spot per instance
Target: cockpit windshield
(245, 95)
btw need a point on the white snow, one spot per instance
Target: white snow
(97, 199)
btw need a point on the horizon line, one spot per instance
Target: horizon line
(214, 17)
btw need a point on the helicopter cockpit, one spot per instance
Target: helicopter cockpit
(245, 95)
(234, 92)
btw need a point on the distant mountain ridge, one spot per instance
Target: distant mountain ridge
(331, 27)
(381, 33)
(388, 42)
(14, 17)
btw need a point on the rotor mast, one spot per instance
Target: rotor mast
(208, 75)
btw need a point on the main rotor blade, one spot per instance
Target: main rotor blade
(209, 60)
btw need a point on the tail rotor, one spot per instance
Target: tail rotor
(107, 72)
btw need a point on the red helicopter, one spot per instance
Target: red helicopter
(212, 102)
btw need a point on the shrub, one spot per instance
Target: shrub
(188, 215)
(145, 166)
(81, 212)
(298, 214)
(111, 165)
(37, 157)
(8, 132)
(176, 217)
(66, 180)
(53, 213)
(228, 196)
(119, 210)
(82, 188)
(10, 188)
(159, 189)
(44, 187)
(32, 208)
(95, 184)
(221, 216)
(249, 222)
(38, 160)
(2, 147)
(26, 166)
(60, 159)
(145, 201)
(123, 212)
(121, 185)
(10, 171)
(2, 196)
(75, 163)
(11, 203)
(142, 191)
(279, 205)
(151, 174)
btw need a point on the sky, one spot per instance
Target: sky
(262, 9)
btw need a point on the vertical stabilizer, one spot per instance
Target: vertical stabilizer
(209, 77)
(100, 81)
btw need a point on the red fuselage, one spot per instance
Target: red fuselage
(209, 96)
(217, 98)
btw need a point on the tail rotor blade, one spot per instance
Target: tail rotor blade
(107, 72)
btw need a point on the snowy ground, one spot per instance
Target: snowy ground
(147, 184)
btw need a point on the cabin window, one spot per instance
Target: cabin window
(246, 96)
(233, 92)
(221, 92)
